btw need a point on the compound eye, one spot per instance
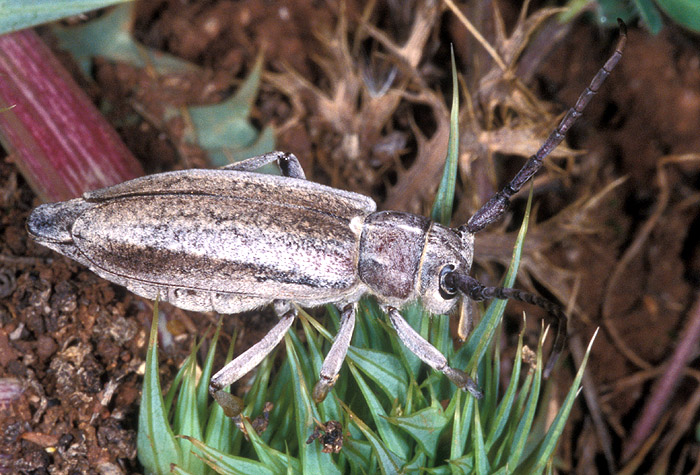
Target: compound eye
(447, 290)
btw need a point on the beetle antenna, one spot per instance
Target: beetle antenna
(499, 203)
(476, 291)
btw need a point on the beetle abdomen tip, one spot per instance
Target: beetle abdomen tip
(52, 222)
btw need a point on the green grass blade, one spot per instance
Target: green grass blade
(218, 434)
(305, 413)
(157, 447)
(481, 460)
(442, 207)
(186, 419)
(388, 461)
(482, 335)
(425, 426)
(546, 449)
(523, 429)
(385, 369)
(224, 463)
(390, 435)
(203, 383)
(21, 14)
(500, 419)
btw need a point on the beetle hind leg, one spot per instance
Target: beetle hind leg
(287, 162)
(335, 357)
(244, 363)
(429, 354)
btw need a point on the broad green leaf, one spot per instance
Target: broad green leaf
(683, 12)
(224, 129)
(650, 15)
(110, 37)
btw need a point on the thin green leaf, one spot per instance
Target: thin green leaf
(500, 419)
(305, 414)
(481, 460)
(523, 429)
(203, 383)
(186, 419)
(218, 434)
(385, 369)
(224, 463)
(271, 458)
(546, 449)
(21, 14)
(482, 335)
(157, 447)
(389, 462)
(425, 426)
(442, 207)
(393, 439)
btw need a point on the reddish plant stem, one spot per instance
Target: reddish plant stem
(51, 129)
(665, 387)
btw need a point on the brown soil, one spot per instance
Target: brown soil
(627, 261)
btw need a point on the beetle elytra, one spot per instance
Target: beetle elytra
(232, 240)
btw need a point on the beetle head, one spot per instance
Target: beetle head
(446, 250)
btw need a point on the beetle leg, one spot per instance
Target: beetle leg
(244, 363)
(288, 163)
(429, 354)
(335, 357)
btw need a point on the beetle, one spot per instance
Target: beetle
(232, 240)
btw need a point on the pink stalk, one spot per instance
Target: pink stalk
(665, 388)
(51, 129)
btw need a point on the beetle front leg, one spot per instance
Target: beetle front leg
(335, 357)
(429, 354)
(288, 163)
(244, 363)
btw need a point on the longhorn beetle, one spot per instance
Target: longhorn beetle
(231, 240)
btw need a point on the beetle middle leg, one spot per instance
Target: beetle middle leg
(335, 357)
(429, 354)
(245, 362)
(288, 164)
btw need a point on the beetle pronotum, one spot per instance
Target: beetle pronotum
(231, 240)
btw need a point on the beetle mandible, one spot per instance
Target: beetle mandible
(232, 240)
